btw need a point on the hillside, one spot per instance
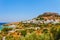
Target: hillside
(44, 27)
(46, 14)
(49, 15)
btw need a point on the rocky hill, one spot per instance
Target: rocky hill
(49, 15)
(46, 14)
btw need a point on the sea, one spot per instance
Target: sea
(1, 25)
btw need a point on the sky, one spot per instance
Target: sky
(18, 10)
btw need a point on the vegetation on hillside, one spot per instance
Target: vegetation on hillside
(32, 31)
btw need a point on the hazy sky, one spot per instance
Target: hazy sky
(17, 10)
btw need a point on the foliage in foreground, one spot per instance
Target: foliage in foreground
(52, 32)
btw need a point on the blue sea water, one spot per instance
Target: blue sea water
(1, 25)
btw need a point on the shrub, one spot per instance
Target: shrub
(0, 37)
